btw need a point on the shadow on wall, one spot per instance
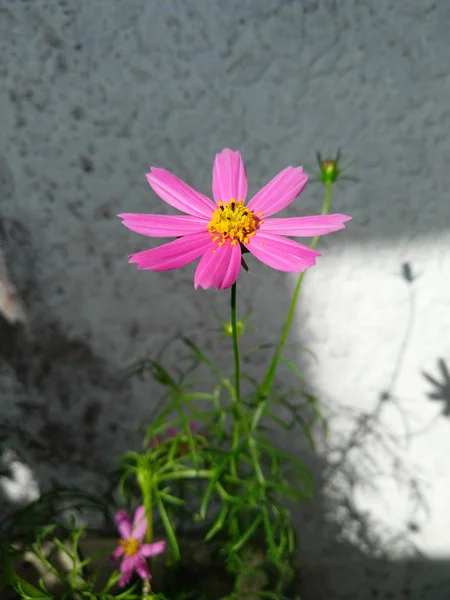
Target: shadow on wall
(441, 387)
(54, 390)
(345, 551)
(56, 420)
(343, 556)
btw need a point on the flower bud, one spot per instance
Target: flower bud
(329, 171)
(329, 168)
(227, 329)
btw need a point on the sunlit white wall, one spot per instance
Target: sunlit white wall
(376, 332)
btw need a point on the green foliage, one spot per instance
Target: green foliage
(227, 475)
(57, 558)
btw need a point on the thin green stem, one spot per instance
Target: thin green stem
(144, 480)
(146, 589)
(237, 379)
(268, 379)
(240, 417)
(149, 512)
(237, 362)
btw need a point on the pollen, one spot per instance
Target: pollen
(130, 546)
(233, 221)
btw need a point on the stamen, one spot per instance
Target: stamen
(233, 221)
(130, 546)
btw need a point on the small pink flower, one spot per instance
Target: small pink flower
(132, 549)
(217, 232)
(172, 432)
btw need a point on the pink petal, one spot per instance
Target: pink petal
(229, 177)
(305, 226)
(219, 268)
(139, 514)
(117, 553)
(178, 194)
(152, 549)
(139, 524)
(175, 254)
(281, 253)
(125, 578)
(172, 432)
(141, 567)
(163, 225)
(126, 568)
(123, 524)
(281, 191)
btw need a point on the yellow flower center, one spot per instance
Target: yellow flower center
(233, 221)
(130, 546)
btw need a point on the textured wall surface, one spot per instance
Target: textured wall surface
(92, 93)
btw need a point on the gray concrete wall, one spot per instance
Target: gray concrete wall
(93, 92)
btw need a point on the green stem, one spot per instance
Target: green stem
(146, 589)
(240, 417)
(149, 514)
(144, 480)
(268, 379)
(237, 363)
(237, 409)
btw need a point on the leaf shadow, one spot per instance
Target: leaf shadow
(441, 386)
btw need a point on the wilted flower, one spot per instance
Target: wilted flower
(130, 546)
(220, 232)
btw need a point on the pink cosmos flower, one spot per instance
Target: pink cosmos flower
(132, 549)
(218, 232)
